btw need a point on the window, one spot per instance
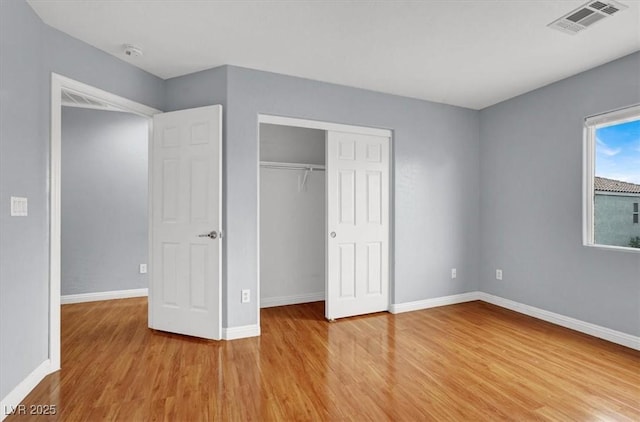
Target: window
(612, 179)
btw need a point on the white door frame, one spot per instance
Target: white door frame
(61, 83)
(327, 126)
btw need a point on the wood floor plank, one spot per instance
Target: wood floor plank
(472, 361)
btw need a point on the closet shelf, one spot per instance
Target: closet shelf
(291, 166)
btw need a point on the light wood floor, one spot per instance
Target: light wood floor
(472, 361)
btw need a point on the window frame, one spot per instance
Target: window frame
(591, 124)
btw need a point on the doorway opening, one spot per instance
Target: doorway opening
(104, 201)
(69, 90)
(292, 215)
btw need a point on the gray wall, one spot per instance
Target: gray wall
(436, 176)
(292, 144)
(29, 52)
(292, 256)
(76, 60)
(104, 201)
(198, 90)
(531, 202)
(613, 219)
(24, 275)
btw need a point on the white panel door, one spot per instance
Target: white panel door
(357, 224)
(186, 219)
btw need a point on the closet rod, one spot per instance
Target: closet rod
(291, 166)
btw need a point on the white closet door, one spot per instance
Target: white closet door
(358, 224)
(186, 181)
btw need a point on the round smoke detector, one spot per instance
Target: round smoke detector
(132, 51)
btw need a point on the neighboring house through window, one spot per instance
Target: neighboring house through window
(612, 179)
(615, 222)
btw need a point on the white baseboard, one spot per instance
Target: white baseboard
(10, 403)
(93, 297)
(575, 324)
(245, 331)
(398, 308)
(270, 302)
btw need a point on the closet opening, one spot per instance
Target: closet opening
(324, 216)
(292, 216)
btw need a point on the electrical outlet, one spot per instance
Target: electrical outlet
(454, 273)
(143, 268)
(498, 274)
(246, 296)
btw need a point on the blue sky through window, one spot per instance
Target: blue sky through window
(618, 152)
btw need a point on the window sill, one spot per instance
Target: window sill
(613, 248)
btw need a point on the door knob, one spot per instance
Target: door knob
(212, 235)
(333, 234)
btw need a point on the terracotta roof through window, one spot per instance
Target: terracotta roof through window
(609, 185)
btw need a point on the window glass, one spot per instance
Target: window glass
(616, 183)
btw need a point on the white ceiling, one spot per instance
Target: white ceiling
(466, 53)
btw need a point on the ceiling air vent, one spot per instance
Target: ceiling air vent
(586, 15)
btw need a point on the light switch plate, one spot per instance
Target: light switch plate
(18, 206)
